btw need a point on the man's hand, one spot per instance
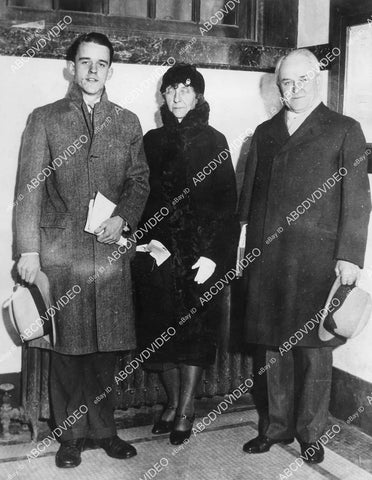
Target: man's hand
(348, 272)
(28, 267)
(110, 230)
(206, 268)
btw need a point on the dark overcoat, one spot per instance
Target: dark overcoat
(65, 160)
(307, 205)
(191, 175)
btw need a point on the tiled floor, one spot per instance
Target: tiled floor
(214, 454)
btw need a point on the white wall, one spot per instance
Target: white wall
(313, 22)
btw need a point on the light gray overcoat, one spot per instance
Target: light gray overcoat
(65, 159)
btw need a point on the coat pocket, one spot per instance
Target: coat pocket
(56, 239)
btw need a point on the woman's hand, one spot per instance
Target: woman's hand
(206, 268)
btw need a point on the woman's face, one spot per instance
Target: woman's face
(180, 100)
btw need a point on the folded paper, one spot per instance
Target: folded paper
(100, 209)
(156, 249)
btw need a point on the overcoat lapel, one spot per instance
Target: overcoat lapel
(310, 128)
(101, 109)
(278, 129)
(278, 133)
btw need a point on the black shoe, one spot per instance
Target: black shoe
(308, 455)
(263, 444)
(115, 447)
(163, 426)
(69, 453)
(179, 436)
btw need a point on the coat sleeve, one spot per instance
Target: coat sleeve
(219, 228)
(355, 199)
(155, 202)
(248, 181)
(136, 187)
(34, 156)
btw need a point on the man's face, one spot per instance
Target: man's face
(298, 83)
(91, 68)
(180, 100)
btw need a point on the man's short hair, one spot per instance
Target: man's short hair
(300, 52)
(92, 37)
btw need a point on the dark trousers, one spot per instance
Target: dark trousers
(75, 383)
(299, 387)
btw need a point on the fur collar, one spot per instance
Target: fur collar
(191, 125)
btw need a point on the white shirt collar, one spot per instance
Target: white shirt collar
(294, 120)
(291, 115)
(90, 105)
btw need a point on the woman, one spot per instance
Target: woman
(193, 187)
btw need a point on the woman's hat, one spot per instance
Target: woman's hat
(346, 312)
(183, 73)
(29, 310)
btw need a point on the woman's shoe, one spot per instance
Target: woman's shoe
(163, 426)
(179, 436)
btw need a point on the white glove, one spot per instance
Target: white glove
(206, 268)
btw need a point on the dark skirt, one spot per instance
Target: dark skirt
(162, 301)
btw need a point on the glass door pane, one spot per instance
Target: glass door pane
(174, 10)
(358, 77)
(222, 11)
(39, 4)
(128, 8)
(94, 6)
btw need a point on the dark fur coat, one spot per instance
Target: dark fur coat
(201, 222)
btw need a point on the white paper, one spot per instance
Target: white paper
(241, 251)
(243, 234)
(156, 249)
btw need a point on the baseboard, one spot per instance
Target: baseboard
(350, 393)
(15, 379)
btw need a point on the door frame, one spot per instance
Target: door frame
(343, 14)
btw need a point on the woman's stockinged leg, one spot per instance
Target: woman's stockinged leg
(190, 378)
(171, 382)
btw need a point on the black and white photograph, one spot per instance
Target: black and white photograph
(186, 245)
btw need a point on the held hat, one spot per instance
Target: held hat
(346, 312)
(29, 310)
(183, 73)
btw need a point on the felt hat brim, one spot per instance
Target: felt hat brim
(28, 310)
(350, 316)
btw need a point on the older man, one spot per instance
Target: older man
(72, 149)
(307, 208)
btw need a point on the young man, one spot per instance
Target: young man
(307, 207)
(72, 149)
